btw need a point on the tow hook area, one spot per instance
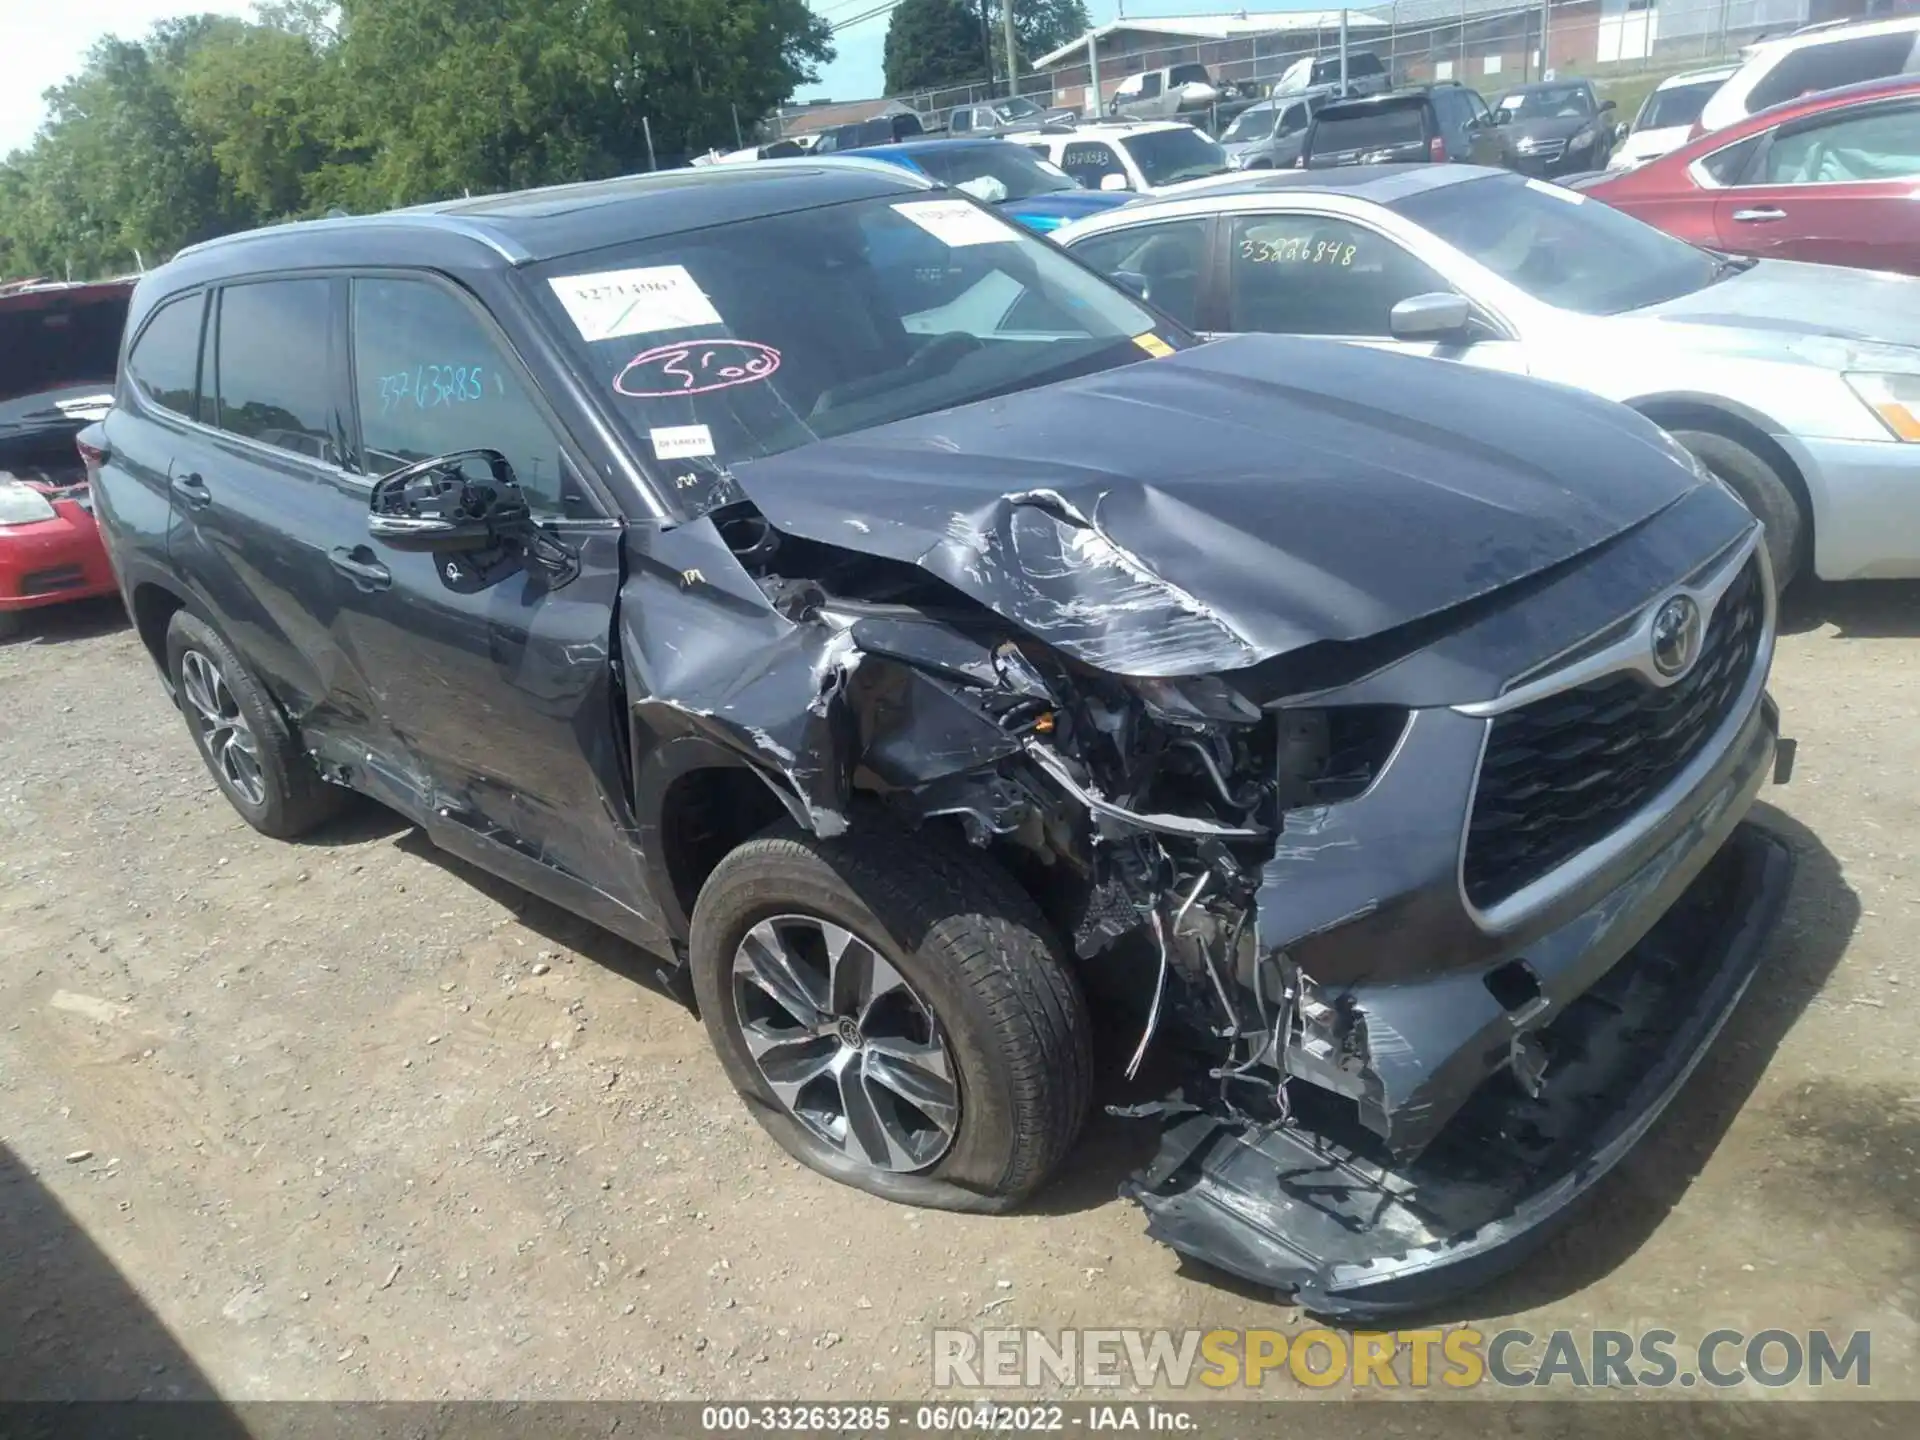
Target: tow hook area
(1319, 1209)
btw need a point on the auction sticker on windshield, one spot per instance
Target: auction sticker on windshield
(1559, 192)
(681, 442)
(955, 223)
(612, 303)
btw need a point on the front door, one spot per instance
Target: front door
(496, 676)
(1308, 274)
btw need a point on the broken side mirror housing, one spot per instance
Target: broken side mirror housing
(438, 504)
(1439, 316)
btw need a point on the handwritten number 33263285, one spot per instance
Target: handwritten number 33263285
(428, 386)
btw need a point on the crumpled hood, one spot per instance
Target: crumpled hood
(1826, 314)
(1232, 502)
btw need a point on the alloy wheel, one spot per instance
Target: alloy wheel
(221, 726)
(850, 1049)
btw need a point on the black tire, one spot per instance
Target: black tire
(980, 957)
(10, 624)
(292, 798)
(1762, 490)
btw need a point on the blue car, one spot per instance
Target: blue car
(1037, 193)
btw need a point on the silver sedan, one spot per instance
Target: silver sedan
(1798, 385)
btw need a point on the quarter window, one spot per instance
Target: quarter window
(166, 358)
(1168, 256)
(273, 362)
(1314, 275)
(431, 378)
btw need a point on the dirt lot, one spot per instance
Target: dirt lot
(347, 1119)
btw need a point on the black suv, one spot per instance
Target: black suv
(844, 594)
(1436, 123)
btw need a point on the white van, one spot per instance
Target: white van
(1820, 57)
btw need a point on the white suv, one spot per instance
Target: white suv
(1819, 58)
(1146, 157)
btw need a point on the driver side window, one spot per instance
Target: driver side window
(431, 378)
(1317, 275)
(1168, 256)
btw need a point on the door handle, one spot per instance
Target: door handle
(366, 574)
(1759, 216)
(192, 491)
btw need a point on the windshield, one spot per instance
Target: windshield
(1563, 102)
(742, 340)
(1018, 108)
(1166, 157)
(1681, 105)
(1559, 246)
(1254, 124)
(993, 172)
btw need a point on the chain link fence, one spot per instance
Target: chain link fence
(1625, 46)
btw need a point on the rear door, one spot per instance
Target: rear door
(260, 499)
(1836, 189)
(494, 675)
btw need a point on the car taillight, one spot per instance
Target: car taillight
(1437, 150)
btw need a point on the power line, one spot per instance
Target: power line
(861, 19)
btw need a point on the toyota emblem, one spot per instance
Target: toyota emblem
(1676, 636)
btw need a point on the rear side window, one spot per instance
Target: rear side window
(272, 359)
(1823, 67)
(166, 358)
(1375, 128)
(1189, 75)
(1879, 145)
(430, 377)
(1168, 256)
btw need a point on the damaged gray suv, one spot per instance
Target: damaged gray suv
(801, 571)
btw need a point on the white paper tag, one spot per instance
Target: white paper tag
(613, 303)
(1558, 192)
(681, 442)
(955, 223)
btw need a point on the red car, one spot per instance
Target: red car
(58, 347)
(1830, 177)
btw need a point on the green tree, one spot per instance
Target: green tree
(1042, 26)
(931, 43)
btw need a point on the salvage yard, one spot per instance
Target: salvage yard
(348, 1119)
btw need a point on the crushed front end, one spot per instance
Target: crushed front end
(1411, 839)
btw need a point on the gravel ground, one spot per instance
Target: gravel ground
(346, 1119)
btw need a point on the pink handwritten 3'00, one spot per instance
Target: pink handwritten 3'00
(695, 369)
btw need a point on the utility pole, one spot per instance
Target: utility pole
(986, 46)
(1093, 75)
(1343, 52)
(1546, 56)
(1013, 61)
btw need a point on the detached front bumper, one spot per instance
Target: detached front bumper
(50, 561)
(1320, 1211)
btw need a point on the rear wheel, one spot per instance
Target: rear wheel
(896, 1014)
(247, 745)
(1762, 490)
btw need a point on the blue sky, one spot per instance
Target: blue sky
(855, 73)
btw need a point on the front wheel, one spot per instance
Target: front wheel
(896, 1014)
(1762, 490)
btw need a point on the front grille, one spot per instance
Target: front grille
(1546, 150)
(1563, 772)
(46, 582)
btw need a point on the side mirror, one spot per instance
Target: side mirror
(1134, 283)
(1439, 316)
(1503, 117)
(436, 505)
(1114, 182)
(1606, 105)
